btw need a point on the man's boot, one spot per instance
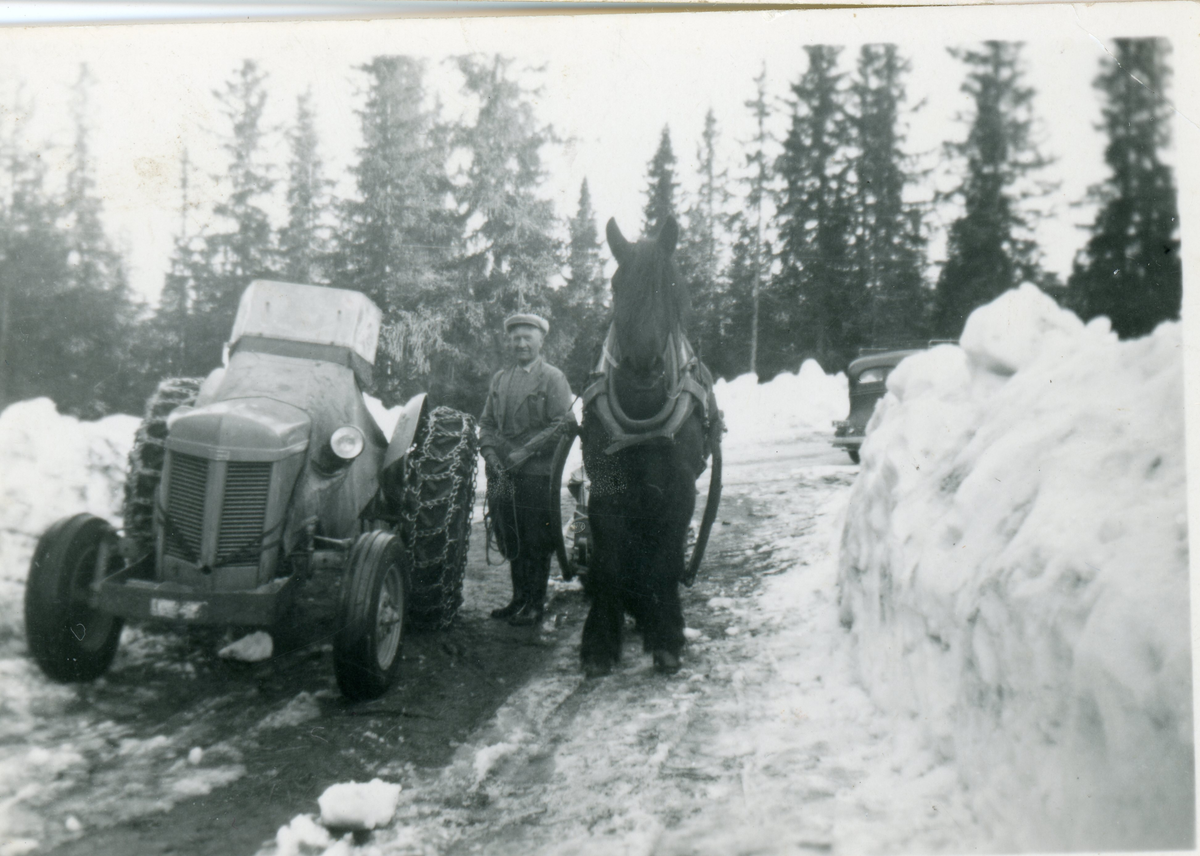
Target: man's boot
(517, 570)
(537, 574)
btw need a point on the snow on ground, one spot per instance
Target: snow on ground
(53, 465)
(1015, 566)
(764, 743)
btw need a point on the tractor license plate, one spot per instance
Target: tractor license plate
(187, 610)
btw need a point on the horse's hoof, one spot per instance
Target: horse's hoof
(596, 670)
(666, 662)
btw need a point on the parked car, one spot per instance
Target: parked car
(243, 485)
(867, 377)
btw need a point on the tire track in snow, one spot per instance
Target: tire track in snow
(763, 743)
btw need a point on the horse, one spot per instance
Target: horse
(649, 417)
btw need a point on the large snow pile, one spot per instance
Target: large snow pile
(1015, 566)
(54, 465)
(787, 404)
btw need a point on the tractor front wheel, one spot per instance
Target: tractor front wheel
(370, 621)
(70, 640)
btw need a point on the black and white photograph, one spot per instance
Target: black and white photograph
(657, 433)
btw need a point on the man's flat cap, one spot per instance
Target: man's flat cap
(531, 320)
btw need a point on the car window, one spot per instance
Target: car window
(875, 375)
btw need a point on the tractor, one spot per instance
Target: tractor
(243, 484)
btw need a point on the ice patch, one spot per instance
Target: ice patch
(252, 648)
(489, 756)
(18, 847)
(355, 805)
(303, 708)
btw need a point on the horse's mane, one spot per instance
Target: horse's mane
(650, 300)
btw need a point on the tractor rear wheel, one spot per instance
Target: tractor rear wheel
(439, 500)
(70, 640)
(146, 460)
(370, 621)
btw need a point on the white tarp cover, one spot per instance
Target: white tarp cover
(309, 313)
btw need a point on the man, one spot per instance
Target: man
(526, 406)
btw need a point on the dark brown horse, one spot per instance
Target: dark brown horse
(645, 442)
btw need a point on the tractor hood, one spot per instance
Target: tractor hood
(243, 429)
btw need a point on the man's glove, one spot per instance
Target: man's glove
(493, 460)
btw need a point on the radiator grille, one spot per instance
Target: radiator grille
(243, 512)
(185, 506)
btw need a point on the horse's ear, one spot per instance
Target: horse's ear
(668, 235)
(621, 249)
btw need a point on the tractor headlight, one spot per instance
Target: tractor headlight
(347, 442)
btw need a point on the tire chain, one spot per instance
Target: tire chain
(146, 460)
(439, 494)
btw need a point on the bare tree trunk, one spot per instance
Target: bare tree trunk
(4, 327)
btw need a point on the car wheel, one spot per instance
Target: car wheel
(68, 639)
(370, 625)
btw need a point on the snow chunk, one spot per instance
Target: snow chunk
(252, 648)
(354, 805)
(691, 633)
(195, 756)
(1015, 569)
(303, 832)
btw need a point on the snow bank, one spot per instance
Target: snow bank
(1015, 567)
(789, 403)
(53, 465)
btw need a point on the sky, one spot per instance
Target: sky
(607, 83)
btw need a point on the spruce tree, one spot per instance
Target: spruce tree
(513, 252)
(173, 336)
(889, 247)
(661, 186)
(989, 248)
(94, 309)
(701, 250)
(581, 306)
(820, 297)
(65, 309)
(1130, 270)
(751, 265)
(243, 248)
(304, 241)
(398, 236)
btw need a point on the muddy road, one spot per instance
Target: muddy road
(178, 751)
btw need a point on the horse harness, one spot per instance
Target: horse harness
(689, 385)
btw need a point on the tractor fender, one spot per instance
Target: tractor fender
(406, 430)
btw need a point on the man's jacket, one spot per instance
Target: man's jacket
(525, 408)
